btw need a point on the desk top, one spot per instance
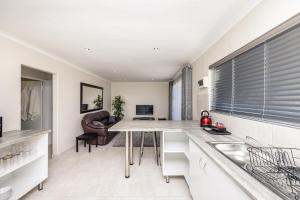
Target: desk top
(151, 125)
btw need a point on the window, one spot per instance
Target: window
(248, 90)
(262, 82)
(176, 99)
(223, 87)
(283, 77)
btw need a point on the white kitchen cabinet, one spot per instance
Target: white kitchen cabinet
(208, 181)
(196, 172)
(174, 154)
(30, 168)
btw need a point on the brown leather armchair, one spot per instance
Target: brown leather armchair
(99, 122)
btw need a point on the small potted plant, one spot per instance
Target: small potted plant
(98, 102)
(117, 108)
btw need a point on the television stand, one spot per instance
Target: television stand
(143, 118)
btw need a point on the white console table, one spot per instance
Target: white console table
(28, 167)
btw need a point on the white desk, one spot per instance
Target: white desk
(130, 126)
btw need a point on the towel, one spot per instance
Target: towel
(34, 109)
(24, 102)
(30, 100)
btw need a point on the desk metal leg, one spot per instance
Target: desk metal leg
(131, 148)
(127, 170)
(142, 147)
(155, 147)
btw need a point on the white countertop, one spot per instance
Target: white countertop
(154, 125)
(13, 137)
(249, 184)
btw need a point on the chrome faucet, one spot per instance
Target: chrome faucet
(250, 138)
(257, 143)
(252, 141)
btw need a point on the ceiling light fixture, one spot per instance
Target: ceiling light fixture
(87, 49)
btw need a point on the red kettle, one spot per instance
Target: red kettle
(205, 119)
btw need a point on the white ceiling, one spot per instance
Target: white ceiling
(122, 33)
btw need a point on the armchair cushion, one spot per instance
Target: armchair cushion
(93, 127)
(111, 120)
(104, 121)
(97, 123)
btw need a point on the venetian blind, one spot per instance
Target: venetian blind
(248, 87)
(223, 87)
(263, 82)
(283, 77)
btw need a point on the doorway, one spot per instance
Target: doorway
(37, 102)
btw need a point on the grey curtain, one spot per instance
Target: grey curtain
(170, 99)
(186, 108)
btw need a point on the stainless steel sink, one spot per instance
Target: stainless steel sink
(235, 151)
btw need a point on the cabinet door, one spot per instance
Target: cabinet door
(196, 172)
(208, 181)
(219, 185)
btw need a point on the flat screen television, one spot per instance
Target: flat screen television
(144, 109)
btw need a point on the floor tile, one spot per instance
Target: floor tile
(99, 175)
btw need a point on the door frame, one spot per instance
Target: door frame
(54, 107)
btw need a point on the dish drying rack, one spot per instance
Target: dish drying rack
(277, 167)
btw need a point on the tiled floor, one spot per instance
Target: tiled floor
(99, 175)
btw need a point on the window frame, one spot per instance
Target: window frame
(263, 40)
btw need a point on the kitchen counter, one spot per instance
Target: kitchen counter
(250, 185)
(245, 181)
(13, 137)
(29, 167)
(154, 125)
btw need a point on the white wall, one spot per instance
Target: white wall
(66, 80)
(267, 15)
(144, 93)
